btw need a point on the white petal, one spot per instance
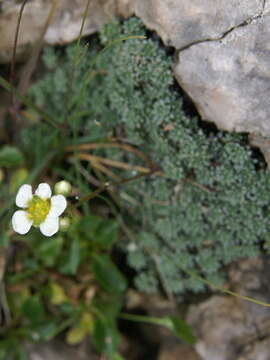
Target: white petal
(50, 226)
(44, 191)
(24, 195)
(58, 205)
(20, 222)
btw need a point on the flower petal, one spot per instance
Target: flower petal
(44, 191)
(58, 205)
(50, 226)
(24, 195)
(20, 222)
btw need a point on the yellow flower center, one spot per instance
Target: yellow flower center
(38, 209)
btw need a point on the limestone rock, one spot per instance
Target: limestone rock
(228, 79)
(180, 23)
(263, 143)
(174, 350)
(230, 328)
(223, 56)
(58, 350)
(64, 28)
(259, 351)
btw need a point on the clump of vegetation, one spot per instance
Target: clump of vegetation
(179, 197)
(68, 281)
(208, 206)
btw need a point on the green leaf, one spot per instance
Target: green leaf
(75, 255)
(117, 356)
(82, 328)
(107, 234)
(4, 240)
(109, 306)
(89, 225)
(18, 178)
(73, 259)
(47, 331)
(106, 337)
(49, 250)
(75, 335)
(180, 328)
(107, 274)
(20, 352)
(33, 309)
(10, 157)
(57, 294)
(102, 233)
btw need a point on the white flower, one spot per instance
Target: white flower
(40, 210)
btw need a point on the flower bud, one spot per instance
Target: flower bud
(62, 188)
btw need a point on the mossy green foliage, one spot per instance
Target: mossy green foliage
(210, 208)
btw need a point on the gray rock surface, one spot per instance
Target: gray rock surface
(223, 56)
(180, 23)
(229, 79)
(230, 328)
(64, 28)
(175, 350)
(58, 350)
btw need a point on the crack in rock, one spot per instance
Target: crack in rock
(227, 77)
(223, 56)
(221, 37)
(263, 5)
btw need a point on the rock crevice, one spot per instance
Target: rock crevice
(229, 76)
(222, 56)
(226, 32)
